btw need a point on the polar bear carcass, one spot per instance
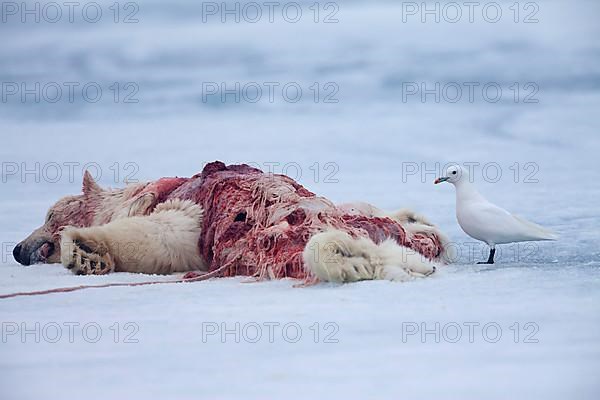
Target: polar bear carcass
(235, 219)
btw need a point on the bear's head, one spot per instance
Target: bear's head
(43, 245)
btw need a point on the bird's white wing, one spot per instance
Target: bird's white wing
(491, 223)
(539, 231)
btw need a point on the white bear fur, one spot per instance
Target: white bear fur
(334, 256)
(410, 221)
(166, 241)
(163, 242)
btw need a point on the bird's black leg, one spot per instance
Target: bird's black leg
(490, 259)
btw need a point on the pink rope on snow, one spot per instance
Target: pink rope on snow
(202, 277)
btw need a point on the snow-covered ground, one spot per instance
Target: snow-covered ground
(432, 338)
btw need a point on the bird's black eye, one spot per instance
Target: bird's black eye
(453, 172)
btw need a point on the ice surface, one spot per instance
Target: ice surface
(371, 138)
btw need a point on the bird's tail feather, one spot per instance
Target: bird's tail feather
(540, 232)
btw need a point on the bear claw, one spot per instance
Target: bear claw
(87, 262)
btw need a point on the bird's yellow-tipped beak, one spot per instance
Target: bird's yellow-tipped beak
(440, 180)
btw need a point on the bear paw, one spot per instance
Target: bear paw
(84, 261)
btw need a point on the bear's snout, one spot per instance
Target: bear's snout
(39, 251)
(17, 253)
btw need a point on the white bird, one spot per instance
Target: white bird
(485, 221)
